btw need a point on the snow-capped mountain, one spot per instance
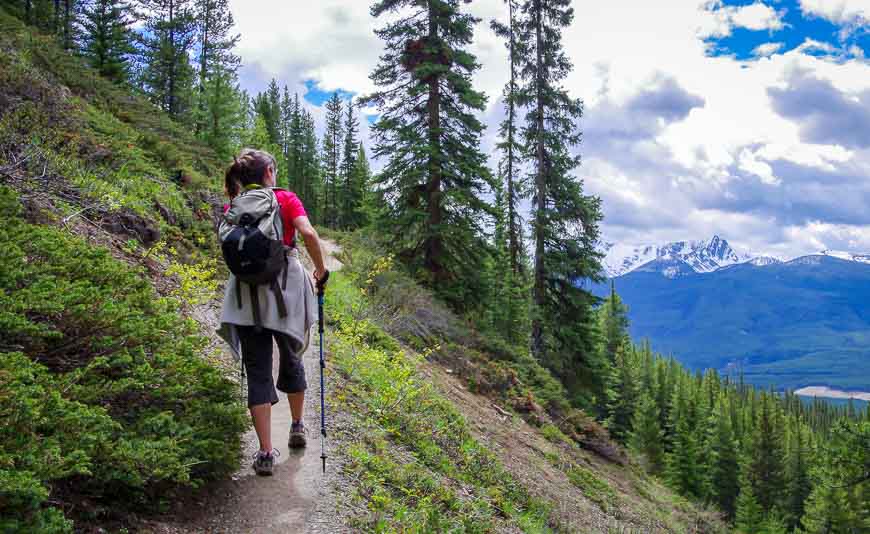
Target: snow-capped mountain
(848, 256)
(699, 256)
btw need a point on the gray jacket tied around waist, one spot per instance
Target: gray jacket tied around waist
(299, 300)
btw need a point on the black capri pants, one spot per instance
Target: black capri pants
(257, 356)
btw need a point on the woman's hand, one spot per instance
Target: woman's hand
(318, 276)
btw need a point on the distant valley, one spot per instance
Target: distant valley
(787, 324)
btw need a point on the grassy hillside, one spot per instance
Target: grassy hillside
(107, 404)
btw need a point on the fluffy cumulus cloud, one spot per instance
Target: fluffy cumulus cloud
(840, 11)
(755, 16)
(766, 49)
(769, 148)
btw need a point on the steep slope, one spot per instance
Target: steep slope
(799, 323)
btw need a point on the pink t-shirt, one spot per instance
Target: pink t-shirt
(291, 207)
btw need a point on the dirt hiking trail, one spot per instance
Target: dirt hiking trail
(298, 497)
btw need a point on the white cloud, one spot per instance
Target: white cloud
(767, 49)
(811, 45)
(757, 16)
(750, 162)
(839, 11)
(329, 41)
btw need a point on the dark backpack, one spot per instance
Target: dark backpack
(252, 242)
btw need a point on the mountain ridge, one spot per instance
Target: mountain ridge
(791, 324)
(681, 258)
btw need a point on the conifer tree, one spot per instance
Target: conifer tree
(510, 261)
(798, 483)
(363, 207)
(622, 392)
(332, 139)
(293, 116)
(166, 43)
(749, 514)
(720, 457)
(565, 221)
(224, 122)
(613, 326)
(430, 137)
(508, 311)
(217, 59)
(351, 196)
(268, 106)
(310, 178)
(766, 456)
(287, 133)
(509, 145)
(106, 40)
(683, 469)
(646, 435)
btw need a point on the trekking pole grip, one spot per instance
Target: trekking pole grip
(321, 283)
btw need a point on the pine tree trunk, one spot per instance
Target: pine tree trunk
(512, 223)
(541, 188)
(56, 26)
(433, 244)
(172, 60)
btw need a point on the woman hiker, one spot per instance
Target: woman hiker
(255, 169)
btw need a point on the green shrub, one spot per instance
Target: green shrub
(596, 489)
(103, 392)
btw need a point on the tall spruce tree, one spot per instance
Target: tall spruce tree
(683, 469)
(435, 174)
(364, 209)
(216, 58)
(332, 138)
(646, 435)
(720, 457)
(293, 114)
(564, 220)
(224, 122)
(106, 39)
(166, 43)
(509, 143)
(797, 474)
(351, 197)
(613, 329)
(287, 133)
(310, 175)
(767, 456)
(268, 106)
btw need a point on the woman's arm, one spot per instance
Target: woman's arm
(312, 244)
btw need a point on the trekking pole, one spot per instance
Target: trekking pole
(321, 289)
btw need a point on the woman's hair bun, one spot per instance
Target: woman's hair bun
(249, 167)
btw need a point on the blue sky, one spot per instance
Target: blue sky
(797, 26)
(750, 120)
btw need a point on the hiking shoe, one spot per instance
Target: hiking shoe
(297, 435)
(264, 462)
